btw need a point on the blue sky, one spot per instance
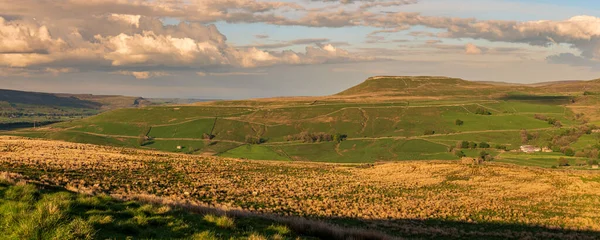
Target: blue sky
(264, 48)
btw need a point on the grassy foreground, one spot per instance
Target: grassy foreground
(427, 199)
(28, 212)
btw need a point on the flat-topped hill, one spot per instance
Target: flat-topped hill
(416, 86)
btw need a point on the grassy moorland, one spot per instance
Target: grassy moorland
(415, 199)
(382, 119)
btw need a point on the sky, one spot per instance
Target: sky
(237, 49)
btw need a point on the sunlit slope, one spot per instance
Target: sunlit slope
(375, 130)
(422, 86)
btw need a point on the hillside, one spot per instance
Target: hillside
(19, 108)
(421, 86)
(414, 200)
(354, 128)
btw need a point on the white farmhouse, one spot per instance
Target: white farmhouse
(530, 149)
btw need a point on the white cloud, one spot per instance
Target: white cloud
(143, 75)
(129, 19)
(472, 49)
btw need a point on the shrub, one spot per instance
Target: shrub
(429, 132)
(482, 111)
(484, 145)
(501, 147)
(207, 136)
(464, 144)
(339, 137)
(569, 152)
(254, 140)
(316, 137)
(540, 117)
(142, 140)
(551, 121)
(592, 162)
(472, 145)
(557, 124)
(563, 162)
(459, 122)
(459, 154)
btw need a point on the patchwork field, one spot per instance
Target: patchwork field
(403, 118)
(406, 199)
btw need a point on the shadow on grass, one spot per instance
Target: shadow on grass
(154, 218)
(542, 99)
(21, 125)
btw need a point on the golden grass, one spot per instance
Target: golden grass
(450, 191)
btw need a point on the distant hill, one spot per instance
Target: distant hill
(413, 86)
(87, 101)
(20, 108)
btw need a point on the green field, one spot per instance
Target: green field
(385, 130)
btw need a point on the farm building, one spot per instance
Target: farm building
(530, 149)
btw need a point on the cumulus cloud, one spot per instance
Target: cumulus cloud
(129, 19)
(472, 49)
(114, 34)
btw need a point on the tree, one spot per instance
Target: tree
(563, 162)
(472, 145)
(524, 136)
(459, 122)
(484, 145)
(464, 144)
(501, 147)
(569, 152)
(255, 140)
(339, 137)
(143, 140)
(207, 136)
(557, 124)
(482, 111)
(459, 154)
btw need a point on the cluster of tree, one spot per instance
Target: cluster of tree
(552, 121)
(316, 137)
(255, 140)
(483, 155)
(472, 145)
(559, 142)
(526, 136)
(588, 93)
(563, 162)
(482, 111)
(588, 153)
(459, 122)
